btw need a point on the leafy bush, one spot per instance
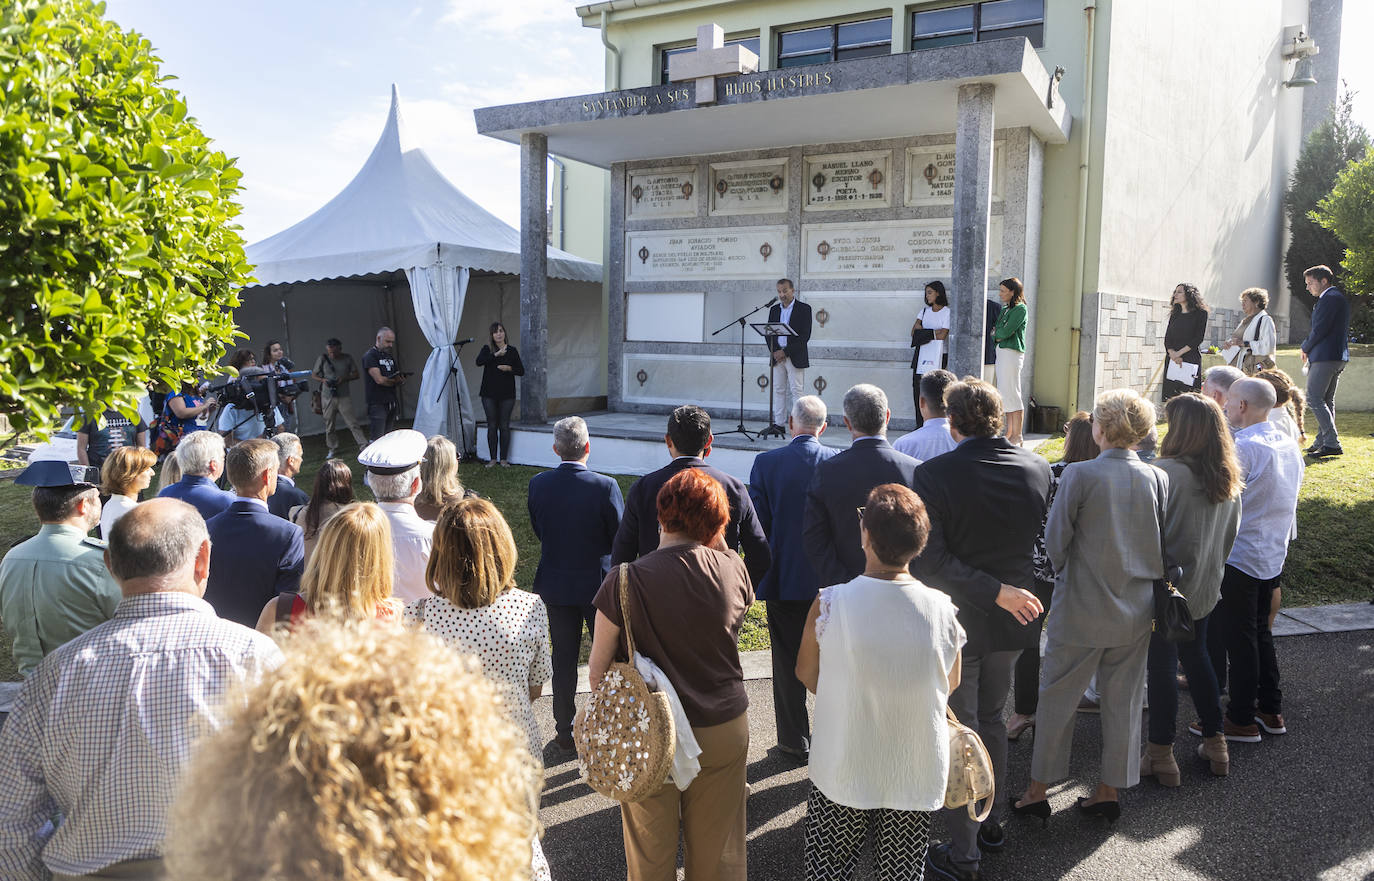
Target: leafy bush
(119, 263)
(1349, 213)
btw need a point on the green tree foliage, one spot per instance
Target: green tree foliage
(1348, 212)
(119, 261)
(1329, 148)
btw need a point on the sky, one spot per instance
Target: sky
(298, 90)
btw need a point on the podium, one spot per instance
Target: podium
(766, 329)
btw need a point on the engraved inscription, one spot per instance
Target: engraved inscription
(661, 192)
(748, 187)
(848, 180)
(930, 175)
(671, 255)
(889, 249)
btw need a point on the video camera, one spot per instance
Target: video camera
(254, 390)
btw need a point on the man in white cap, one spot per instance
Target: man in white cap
(393, 474)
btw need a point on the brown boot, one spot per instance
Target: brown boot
(1158, 762)
(1214, 750)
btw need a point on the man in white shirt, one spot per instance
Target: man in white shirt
(933, 437)
(102, 728)
(393, 475)
(1271, 465)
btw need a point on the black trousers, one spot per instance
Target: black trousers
(381, 419)
(498, 426)
(786, 622)
(1239, 632)
(1026, 689)
(565, 633)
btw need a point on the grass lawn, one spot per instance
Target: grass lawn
(1331, 561)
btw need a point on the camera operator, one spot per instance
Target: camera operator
(275, 360)
(334, 370)
(381, 381)
(238, 422)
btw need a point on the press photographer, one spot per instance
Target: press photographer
(334, 370)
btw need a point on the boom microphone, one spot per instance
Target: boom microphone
(771, 302)
(462, 342)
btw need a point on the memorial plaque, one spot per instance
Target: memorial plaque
(930, 174)
(687, 254)
(651, 193)
(748, 187)
(889, 249)
(847, 180)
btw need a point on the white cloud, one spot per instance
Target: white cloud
(512, 19)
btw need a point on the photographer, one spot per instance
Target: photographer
(242, 420)
(334, 370)
(381, 379)
(275, 360)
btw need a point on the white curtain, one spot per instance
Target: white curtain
(438, 292)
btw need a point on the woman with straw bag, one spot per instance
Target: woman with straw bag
(687, 601)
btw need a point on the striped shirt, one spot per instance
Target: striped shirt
(103, 727)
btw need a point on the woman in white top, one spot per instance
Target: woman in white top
(881, 654)
(1251, 347)
(126, 472)
(478, 610)
(934, 354)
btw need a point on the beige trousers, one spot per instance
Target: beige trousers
(129, 870)
(710, 814)
(334, 407)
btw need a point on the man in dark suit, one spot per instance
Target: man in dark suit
(842, 483)
(286, 495)
(689, 443)
(777, 486)
(788, 353)
(1326, 351)
(253, 555)
(201, 457)
(574, 513)
(986, 500)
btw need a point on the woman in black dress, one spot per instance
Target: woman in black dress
(500, 364)
(1183, 337)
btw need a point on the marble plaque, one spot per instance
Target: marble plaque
(688, 254)
(930, 174)
(651, 193)
(748, 187)
(888, 249)
(847, 180)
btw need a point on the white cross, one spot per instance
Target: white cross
(710, 59)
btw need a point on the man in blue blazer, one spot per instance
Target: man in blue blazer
(574, 513)
(201, 457)
(286, 495)
(777, 486)
(1326, 351)
(253, 555)
(788, 354)
(842, 483)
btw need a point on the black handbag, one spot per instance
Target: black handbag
(1173, 622)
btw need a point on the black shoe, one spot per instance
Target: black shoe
(1325, 452)
(1108, 810)
(940, 865)
(991, 838)
(794, 754)
(1039, 809)
(1312, 449)
(562, 749)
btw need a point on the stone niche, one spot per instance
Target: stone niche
(860, 228)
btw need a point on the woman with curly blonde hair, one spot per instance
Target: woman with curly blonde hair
(368, 756)
(349, 576)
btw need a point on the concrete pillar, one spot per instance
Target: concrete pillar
(534, 278)
(972, 208)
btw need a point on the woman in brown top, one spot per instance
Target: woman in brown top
(439, 483)
(687, 602)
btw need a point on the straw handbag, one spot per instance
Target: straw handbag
(625, 736)
(970, 770)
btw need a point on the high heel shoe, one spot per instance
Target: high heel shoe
(1108, 810)
(1039, 809)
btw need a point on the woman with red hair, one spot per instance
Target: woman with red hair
(687, 603)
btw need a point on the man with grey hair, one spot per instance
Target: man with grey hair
(286, 495)
(574, 513)
(1217, 382)
(256, 556)
(777, 486)
(102, 728)
(393, 474)
(201, 457)
(842, 483)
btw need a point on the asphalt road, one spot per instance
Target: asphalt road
(1295, 807)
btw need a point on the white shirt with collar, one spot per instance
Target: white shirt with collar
(252, 501)
(930, 440)
(1271, 465)
(411, 538)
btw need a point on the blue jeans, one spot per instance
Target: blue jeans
(1162, 687)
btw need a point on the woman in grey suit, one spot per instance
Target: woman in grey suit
(1103, 537)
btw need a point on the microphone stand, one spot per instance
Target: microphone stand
(466, 454)
(739, 428)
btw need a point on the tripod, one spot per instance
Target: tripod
(739, 428)
(467, 453)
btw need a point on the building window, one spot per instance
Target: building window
(750, 43)
(835, 42)
(978, 22)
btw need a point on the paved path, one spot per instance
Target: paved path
(1294, 807)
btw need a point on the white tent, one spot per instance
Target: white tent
(332, 273)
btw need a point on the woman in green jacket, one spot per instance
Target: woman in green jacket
(1010, 334)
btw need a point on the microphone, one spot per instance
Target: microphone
(771, 302)
(462, 342)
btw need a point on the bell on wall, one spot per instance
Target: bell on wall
(1302, 75)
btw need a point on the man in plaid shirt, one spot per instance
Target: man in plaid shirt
(102, 728)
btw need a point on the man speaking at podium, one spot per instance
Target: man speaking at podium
(789, 357)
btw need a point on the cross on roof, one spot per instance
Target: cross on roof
(710, 59)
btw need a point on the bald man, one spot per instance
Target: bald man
(1272, 467)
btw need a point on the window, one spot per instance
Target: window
(835, 42)
(750, 43)
(978, 22)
